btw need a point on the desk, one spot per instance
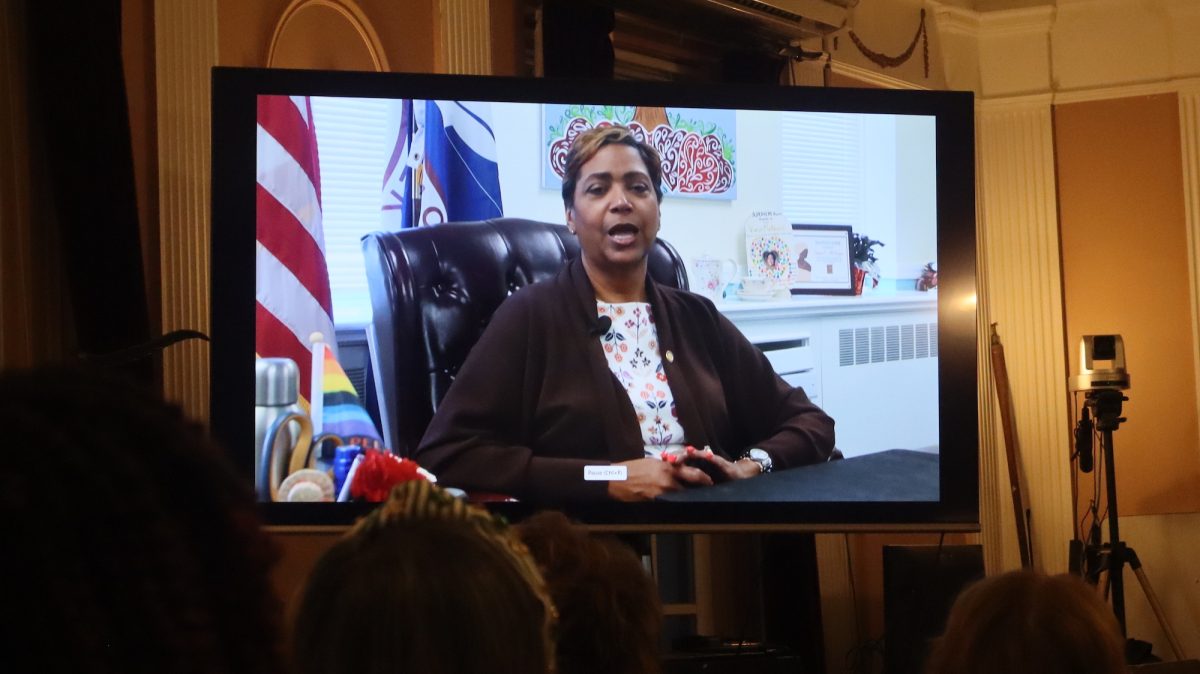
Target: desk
(892, 475)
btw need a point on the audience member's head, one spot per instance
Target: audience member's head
(130, 543)
(609, 618)
(1031, 623)
(427, 585)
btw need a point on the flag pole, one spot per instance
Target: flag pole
(316, 403)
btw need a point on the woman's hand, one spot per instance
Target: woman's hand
(734, 470)
(649, 478)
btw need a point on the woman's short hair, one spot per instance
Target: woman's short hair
(134, 546)
(609, 617)
(425, 584)
(590, 142)
(1028, 622)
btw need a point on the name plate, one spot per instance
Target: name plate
(605, 473)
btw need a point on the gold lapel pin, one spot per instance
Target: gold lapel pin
(670, 356)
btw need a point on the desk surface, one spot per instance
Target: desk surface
(889, 476)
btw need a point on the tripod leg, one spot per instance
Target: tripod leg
(1176, 649)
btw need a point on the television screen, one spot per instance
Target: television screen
(832, 228)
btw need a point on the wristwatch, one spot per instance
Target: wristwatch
(760, 457)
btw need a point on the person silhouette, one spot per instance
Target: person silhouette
(425, 583)
(603, 594)
(1026, 621)
(135, 545)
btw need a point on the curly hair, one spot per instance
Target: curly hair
(1024, 621)
(133, 544)
(425, 584)
(609, 614)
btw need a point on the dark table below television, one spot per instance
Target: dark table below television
(890, 475)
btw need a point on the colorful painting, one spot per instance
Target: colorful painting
(697, 146)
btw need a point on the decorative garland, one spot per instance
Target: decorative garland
(885, 61)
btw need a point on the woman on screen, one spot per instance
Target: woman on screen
(593, 384)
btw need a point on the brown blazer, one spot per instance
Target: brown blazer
(535, 401)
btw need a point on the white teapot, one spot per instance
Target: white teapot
(712, 275)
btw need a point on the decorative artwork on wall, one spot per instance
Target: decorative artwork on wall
(821, 264)
(697, 146)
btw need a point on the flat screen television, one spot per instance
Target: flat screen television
(768, 189)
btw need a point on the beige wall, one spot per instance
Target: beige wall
(406, 32)
(888, 28)
(1125, 271)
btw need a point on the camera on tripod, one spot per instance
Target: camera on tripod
(1109, 349)
(1102, 377)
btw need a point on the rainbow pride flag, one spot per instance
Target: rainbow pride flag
(341, 411)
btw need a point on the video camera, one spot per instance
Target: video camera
(1110, 375)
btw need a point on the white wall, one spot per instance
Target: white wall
(898, 187)
(1168, 548)
(916, 207)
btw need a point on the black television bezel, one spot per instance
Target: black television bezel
(234, 98)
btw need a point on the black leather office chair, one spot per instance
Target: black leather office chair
(433, 291)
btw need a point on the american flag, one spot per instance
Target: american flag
(292, 290)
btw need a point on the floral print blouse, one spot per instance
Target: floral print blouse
(631, 348)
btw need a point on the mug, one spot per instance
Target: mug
(757, 285)
(712, 274)
(287, 447)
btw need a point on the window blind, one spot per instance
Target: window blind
(353, 148)
(822, 168)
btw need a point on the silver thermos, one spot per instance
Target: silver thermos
(276, 392)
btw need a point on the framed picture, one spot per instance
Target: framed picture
(821, 260)
(698, 146)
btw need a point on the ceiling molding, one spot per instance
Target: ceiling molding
(871, 77)
(954, 19)
(1179, 86)
(1016, 103)
(1007, 22)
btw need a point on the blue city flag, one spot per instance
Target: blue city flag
(461, 177)
(397, 210)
